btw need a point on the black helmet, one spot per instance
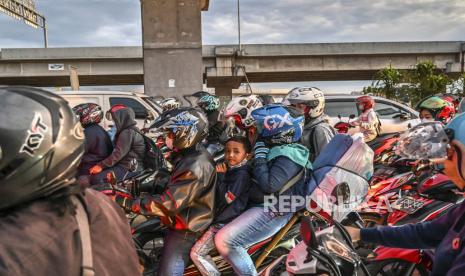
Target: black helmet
(189, 125)
(41, 144)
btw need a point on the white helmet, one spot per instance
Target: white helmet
(241, 109)
(309, 96)
(170, 104)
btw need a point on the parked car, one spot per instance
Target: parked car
(145, 107)
(394, 116)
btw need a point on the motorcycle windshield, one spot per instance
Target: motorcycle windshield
(424, 141)
(344, 184)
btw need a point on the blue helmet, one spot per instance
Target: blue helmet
(456, 129)
(278, 124)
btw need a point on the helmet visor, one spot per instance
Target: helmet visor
(424, 141)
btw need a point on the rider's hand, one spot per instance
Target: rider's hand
(353, 232)
(95, 169)
(260, 150)
(221, 168)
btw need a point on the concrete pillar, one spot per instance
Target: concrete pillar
(224, 93)
(225, 76)
(172, 46)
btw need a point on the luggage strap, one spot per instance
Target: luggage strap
(87, 266)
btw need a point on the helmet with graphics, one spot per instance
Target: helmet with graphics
(188, 125)
(209, 103)
(89, 113)
(170, 104)
(311, 97)
(240, 109)
(278, 124)
(41, 150)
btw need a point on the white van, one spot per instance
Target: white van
(145, 107)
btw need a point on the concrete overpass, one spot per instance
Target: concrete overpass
(224, 66)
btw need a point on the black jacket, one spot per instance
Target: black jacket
(129, 148)
(98, 147)
(36, 240)
(188, 203)
(233, 193)
(215, 127)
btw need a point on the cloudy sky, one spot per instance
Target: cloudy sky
(117, 23)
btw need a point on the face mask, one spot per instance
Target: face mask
(424, 120)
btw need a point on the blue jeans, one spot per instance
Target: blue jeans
(175, 256)
(253, 226)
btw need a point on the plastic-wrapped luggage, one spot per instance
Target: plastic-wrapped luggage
(342, 171)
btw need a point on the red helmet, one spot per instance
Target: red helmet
(446, 114)
(366, 102)
(113, 109)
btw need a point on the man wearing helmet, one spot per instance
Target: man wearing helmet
(98, 142)
(188, 203)
(435, 109)
(445, 234)
(317, 131)
(51, 225)
(367, 121)
(210, 104)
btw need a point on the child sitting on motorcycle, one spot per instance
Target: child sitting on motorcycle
(278, 160)
(445, 234)
(232, 195)
(188, 203)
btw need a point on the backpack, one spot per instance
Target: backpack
(153, 158)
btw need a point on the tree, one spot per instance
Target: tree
(427, 80)
(386, 83)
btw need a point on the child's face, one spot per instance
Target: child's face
(235, 153)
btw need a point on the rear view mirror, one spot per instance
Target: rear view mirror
(339, 116)
(351, 116)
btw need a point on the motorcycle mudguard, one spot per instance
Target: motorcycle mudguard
(409, 255)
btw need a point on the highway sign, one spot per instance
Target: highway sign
(23, 10)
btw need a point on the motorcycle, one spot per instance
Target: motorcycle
(326, 247)
(433, 198)
(148, 238)
(343, 127)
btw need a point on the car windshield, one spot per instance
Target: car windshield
(153, 104)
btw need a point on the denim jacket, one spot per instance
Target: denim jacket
(271, 175)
